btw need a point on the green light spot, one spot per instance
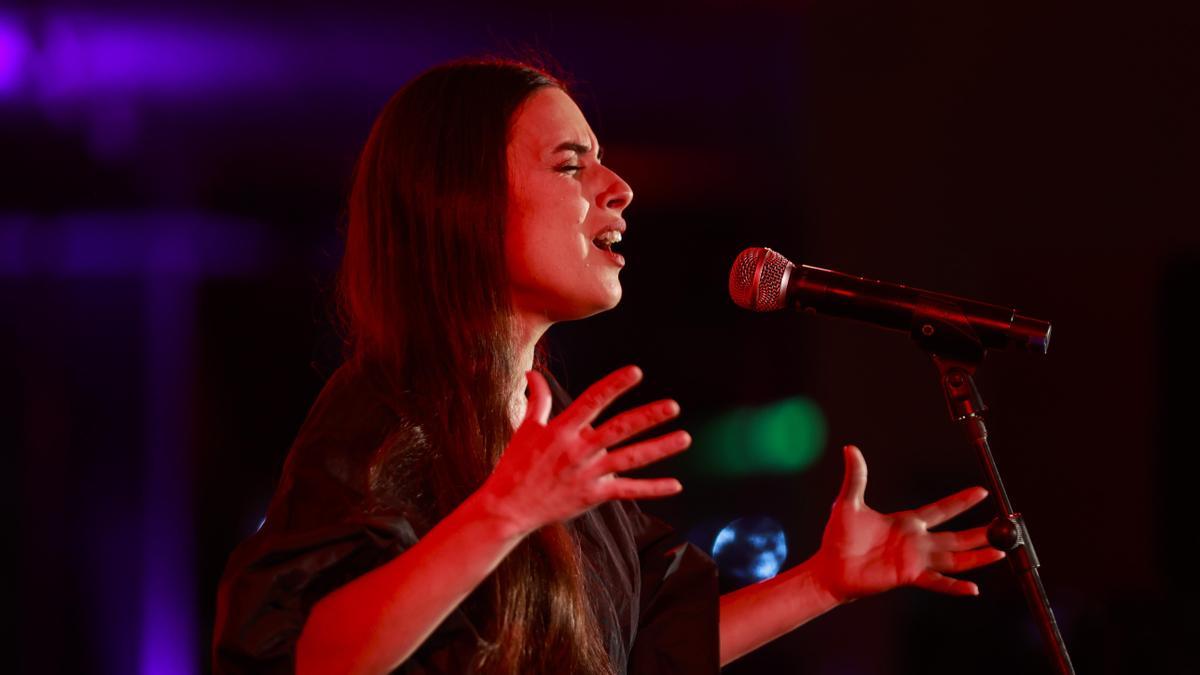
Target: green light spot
(783, 437)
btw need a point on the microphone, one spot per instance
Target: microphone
(762, 280)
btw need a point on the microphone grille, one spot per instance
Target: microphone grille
(758, 280)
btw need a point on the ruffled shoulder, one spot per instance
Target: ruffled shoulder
(323, 529)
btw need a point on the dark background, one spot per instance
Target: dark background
(173, 176)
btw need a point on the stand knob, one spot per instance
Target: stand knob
(1004, 533)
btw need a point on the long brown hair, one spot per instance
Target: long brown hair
(423, 297)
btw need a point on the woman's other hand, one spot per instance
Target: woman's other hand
(865, 552)
(554, 470)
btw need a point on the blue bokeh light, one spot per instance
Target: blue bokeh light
(750, 549)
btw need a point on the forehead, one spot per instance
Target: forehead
(546, 119)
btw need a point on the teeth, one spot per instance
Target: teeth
(608, 238)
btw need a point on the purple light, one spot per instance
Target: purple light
(89, 55)
(60, 57)
(14, 52)
(107, 71)
(170, 252)
(164, 244)
(168, 633)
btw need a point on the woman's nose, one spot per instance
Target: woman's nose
(616, 195)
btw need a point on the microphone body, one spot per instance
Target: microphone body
(762, 280)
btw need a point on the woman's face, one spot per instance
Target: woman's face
(560, 199)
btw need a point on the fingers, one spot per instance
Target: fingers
(639, 488)
(952, 562)
(962, 561)
(854, 483)
(948, 507)
(633, 422)
(959, 541)
(538, 408)
(597, 397)
(940, 583)
(641, 454)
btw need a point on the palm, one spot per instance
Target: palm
(865, 552)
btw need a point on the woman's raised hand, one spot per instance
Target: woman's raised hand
(864, 551)
(554, 470)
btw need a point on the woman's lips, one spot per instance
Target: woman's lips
(617, 258)
(613, 257)
(609, 237)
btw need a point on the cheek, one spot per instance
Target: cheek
(546, 223)
(558, 212)
(573, 206)
(521, 243)
(572, 213)
(521, 225)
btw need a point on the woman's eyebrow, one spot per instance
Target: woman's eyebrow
(577, 148)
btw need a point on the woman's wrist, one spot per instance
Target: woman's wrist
(754, 615)
(819, 573)
(491, 511)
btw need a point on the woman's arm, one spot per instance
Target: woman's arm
(755, 615)
(862, 552)
(551, 471)
(375, 622)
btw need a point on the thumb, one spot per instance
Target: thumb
(854, 484)
(538, 408)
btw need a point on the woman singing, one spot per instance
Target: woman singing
(446, 508)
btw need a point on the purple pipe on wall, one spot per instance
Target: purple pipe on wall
(170, 254)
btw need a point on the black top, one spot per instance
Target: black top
(656, 595)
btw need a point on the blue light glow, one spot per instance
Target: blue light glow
(750, 549)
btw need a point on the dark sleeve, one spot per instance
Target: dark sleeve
(273, 580)
(678, 628)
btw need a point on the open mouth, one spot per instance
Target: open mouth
(605, 241)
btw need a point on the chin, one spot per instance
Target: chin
(594, 307)
(614, 298)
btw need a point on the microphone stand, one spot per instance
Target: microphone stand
(941, 329)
